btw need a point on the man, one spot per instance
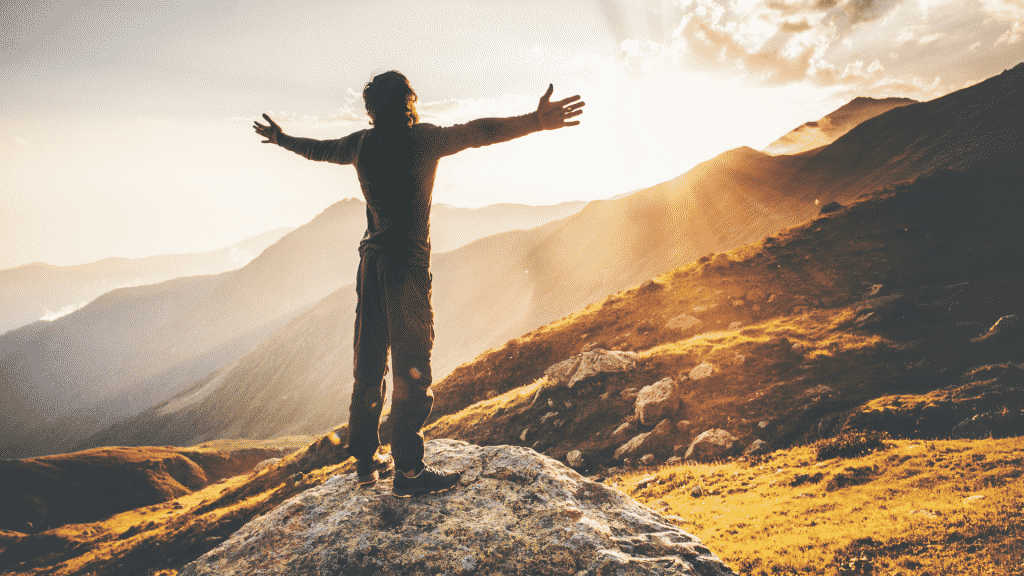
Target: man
(396, 161)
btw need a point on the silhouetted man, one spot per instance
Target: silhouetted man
(396, 161)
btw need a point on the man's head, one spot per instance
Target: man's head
(390, 100)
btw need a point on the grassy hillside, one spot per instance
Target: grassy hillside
(908, 508)
(877, 316)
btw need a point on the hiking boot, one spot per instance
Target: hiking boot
(370, 469)
(428, 481)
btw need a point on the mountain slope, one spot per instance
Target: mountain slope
(811, 135)
(503, 286)
(36, 290)
(136, 347)
(900, 313)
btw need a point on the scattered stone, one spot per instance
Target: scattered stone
(623, 429)
(798, 348)
(874, 289)
(975, 498)
(526, 433)
(762, 424)
(720, 261)
(547, 417)
(265, 464)
(831, 207)
(697, 491)
(513, 512)
(930, 514)
(575, 459)
(648, 460)
(684, 322)
(735, 325)
(711, 444)
(703, 308)
(754, 296)
(738, 303)
(646, 481)
(702, 370)
(674, 461)
(656, 441)
(757, 448)
(629, 393)
(819, 390)
(657, 401)
(683, 425)
(589, 365)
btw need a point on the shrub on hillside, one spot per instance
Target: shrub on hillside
(850, 444)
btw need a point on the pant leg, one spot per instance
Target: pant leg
(411, 325)
(371, 343)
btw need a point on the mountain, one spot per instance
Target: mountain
(813, 135)
(900, 313)
(452, 227)
(41, 291)
(500, 287)
(135, 347)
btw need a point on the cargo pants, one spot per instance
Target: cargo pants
(393, 313)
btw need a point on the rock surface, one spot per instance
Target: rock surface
(514, 512)
(589, 365)
(657, 401)
(711, 444)
(657, 441)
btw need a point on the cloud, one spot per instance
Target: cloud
(64, 311)
(925, 40)
(20, 142)
(240, 256)
(774, 41)
(1011, 11)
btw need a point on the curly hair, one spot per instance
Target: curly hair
(390, 100)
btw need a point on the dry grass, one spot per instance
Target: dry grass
(914, 507)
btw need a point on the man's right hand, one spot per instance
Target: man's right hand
(556, 114)
(269, 132)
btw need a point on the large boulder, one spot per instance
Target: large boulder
(589, 365)
(658, 401)
(657, 441)
(712, 444)
(514, 512)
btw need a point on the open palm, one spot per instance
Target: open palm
(557, 114)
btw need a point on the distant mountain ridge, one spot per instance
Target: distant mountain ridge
(35, 290)
(813, 135)
(500, 287)
(138, 346)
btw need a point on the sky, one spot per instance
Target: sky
(126, 127)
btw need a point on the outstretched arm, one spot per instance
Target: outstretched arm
(337, 151)
(485, 131)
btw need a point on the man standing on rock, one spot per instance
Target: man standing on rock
(396, 161)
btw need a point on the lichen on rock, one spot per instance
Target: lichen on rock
(514, 512)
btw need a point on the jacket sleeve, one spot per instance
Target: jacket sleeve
(341, 151)
(483, 132)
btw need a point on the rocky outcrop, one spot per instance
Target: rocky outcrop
(657, 401)
(702, 371)
(589, 365)
(712, 444)
(514, 512)
(657, 441)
